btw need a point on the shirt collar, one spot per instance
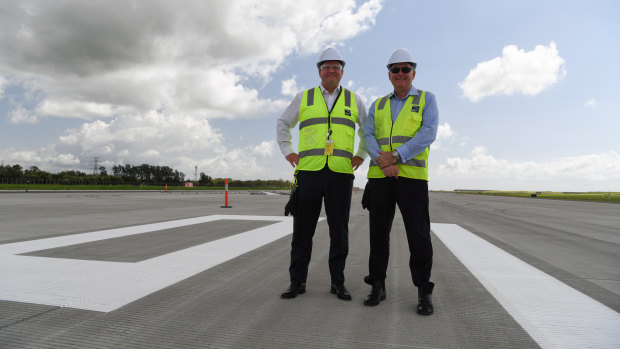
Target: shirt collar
(412, 92)
(324, 90)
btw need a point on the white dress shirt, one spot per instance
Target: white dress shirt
(290, 117)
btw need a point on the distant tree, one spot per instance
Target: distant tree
(130, 174)
(8, 171)
(205, 180)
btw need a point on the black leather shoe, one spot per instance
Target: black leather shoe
(341, 292)
(295, 289)
(376, 295)
(425, 304)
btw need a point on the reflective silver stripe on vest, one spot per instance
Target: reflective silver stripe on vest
(416, 163)
(343, 153)
(310, 97)
(383, 141)
(400, 139)
(343, 121)
(382, 102)
(416, 98)
(313, 121)
(321, 152)
(347, 98)
(411, 162)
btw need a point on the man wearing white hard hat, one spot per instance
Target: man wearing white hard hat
(327, 115)
(398, 133)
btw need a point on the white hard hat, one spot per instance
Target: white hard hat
(401, 56)
(330, 54)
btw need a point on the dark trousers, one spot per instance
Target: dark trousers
(411, 196)
(314, 187)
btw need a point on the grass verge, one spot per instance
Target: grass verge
(613, 197)
(120, 187)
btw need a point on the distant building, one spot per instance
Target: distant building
(189, 184)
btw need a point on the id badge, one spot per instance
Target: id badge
(329, 147)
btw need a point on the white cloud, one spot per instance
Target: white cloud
(46, 157)
(153, 154)
(481, 167)
(265, 148)
(290, 88)
(516, 71)
(444, 131)
(147, 134)
(21, 115)
(3, 83)
(464, 141)
(193, 59)
(180, 142)
(367, 94)
(75, 109)
(591, 103)
(148, 76)
(445, 135)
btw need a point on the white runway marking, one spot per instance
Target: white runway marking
(553, 313)
(105, 286)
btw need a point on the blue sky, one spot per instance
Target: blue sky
(527, 90)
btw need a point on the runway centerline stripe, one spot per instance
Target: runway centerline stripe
(553, 313)
(106, 286)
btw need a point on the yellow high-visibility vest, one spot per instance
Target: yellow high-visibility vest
(316, 122)
(391, 135)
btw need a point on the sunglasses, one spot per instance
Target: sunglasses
(397, 70)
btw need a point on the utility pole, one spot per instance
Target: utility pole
(196, 174)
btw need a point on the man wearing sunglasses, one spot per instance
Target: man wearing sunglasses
(327, 115)
(398, 133)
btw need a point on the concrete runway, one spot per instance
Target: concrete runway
(175, 270)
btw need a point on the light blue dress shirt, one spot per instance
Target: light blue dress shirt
(422, 139)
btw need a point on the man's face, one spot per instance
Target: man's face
(330, 73)
(401, 80)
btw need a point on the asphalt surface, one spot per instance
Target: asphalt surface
(237, 304)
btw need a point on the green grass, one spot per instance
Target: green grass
(120, 187)
(585, 196)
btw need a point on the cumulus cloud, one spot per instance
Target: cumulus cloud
(516, 71)
(141, 56)
(3, 83)
(264, 148)
(444, 131)
(367, 94)
(22, 115)
(180, 142)
(45, 155)
(147, 76)
(482, 166)
(591, 103)
(445, 135)
(290, 88)
(127, 138)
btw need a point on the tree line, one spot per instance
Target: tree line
(144, 174)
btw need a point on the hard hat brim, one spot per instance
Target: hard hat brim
(318, 65)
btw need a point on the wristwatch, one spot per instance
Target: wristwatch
(396, 155)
